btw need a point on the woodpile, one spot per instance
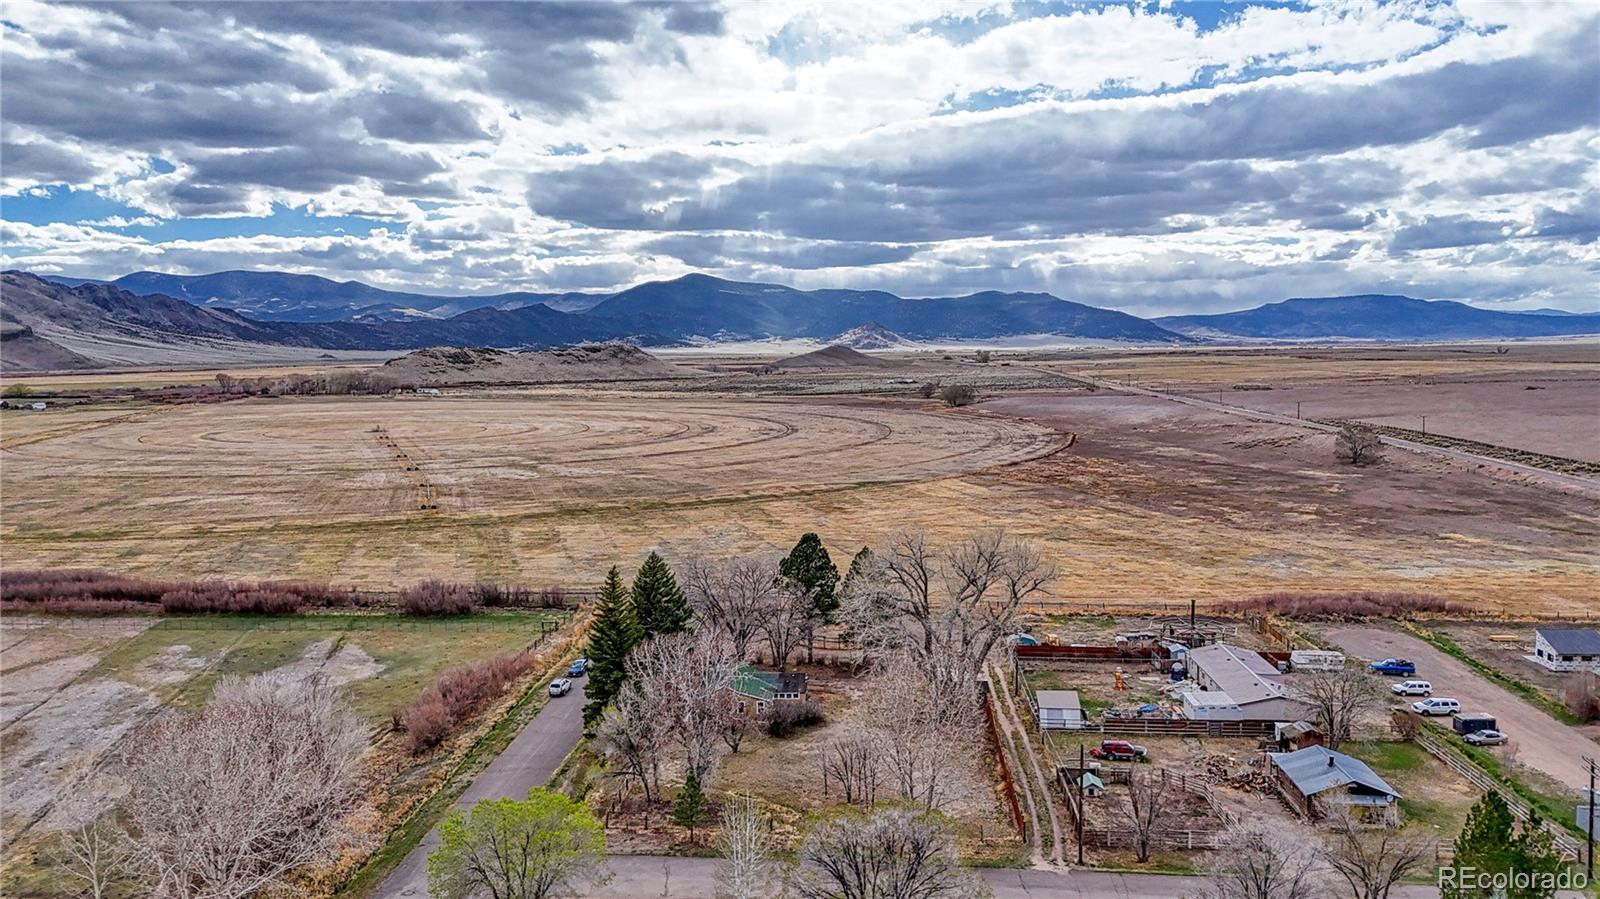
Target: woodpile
(1228, 771)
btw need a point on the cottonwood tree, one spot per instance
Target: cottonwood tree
(784, 623)
(227, 801)
(1259, 861)
(732, 597)
(1357, 446)
(896, 853)
(542, 847)
(680, 678)
(631, 739)
(1340, 698)
(745, 870)
(964, 600)
(922, 727)
(1147, 798)
(809, 571)
(1372, 860)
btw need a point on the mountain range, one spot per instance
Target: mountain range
(1378, 317)
(76, 316)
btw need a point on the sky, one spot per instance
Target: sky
(1151, 157)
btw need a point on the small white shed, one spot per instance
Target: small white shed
(1059, 710)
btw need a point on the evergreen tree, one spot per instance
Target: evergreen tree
(689, 811)
(809, 569)
(658, 603)
(614, 634)
(1534, 851)
(1487, 843)
(860, 563)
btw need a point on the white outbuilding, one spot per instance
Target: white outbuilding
(1059, 710)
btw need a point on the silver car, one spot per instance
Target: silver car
(1486, 738)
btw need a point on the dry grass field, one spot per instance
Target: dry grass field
(1152, 501)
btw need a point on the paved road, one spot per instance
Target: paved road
(665, 877)
(530, 761)
(1542, 742)
(1578, 482)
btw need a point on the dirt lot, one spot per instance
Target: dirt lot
(1542, 743)
(73, 689)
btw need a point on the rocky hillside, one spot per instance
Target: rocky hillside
(484, 365)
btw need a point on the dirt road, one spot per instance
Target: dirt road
(530, 761)
(1543, 743)
(655, 877)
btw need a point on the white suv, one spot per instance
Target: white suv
(1436, 707)
(1411, 688)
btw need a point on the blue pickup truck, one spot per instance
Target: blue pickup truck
(1395, 667)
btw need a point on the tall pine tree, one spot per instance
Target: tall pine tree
(658, 603)
(809, 569)
(1487, 843)
(614, 634)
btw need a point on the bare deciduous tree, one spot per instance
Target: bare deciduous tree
(1259, 861)
(1147, 795)
(964, 600)
(745, 871)
(957, 394)
(99, 855)
(735, 723)
(630, 738)
(852, 761)
(227, 801)
(786, 618)
(733, 597)
(1372, 860)
(1357, 446)
(680, 678)
(921, 726)
(894, 854)
(1341, 698)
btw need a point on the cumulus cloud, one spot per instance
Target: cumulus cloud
(1119, 154)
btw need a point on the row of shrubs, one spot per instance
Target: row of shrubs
(456, 696)
(92, 592)
(1346, 606)
(784, 718)
(444, 598)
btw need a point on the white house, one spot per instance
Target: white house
(1567, 648)
(1237, 684)
(1059, 710)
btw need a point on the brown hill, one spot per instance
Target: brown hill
(23, 350)
(482, 365)
(835, 357)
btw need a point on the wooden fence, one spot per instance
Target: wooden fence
(1125, 655)
(1180, 727)
(1007, 780)
(1568, 845)
(1163, 837)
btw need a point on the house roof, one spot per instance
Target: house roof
(1059, 699)
(1574, 641)
(1317, 769)
(754, 682)
(1209, 699)
(1241, 673)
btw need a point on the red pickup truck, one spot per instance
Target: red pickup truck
(1120, 751)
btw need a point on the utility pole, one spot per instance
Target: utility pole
(1297, 410)
(1424, 425)
(1589, 825)
(1078, 779)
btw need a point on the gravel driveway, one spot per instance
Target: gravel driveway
(1542, 742)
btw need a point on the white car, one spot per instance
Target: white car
(1412, 688)
(560, 686)
(1436, 707)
